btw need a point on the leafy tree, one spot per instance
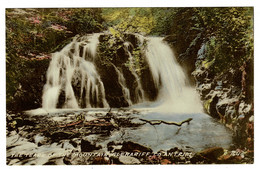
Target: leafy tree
(227, 33)
(32, 34)
(132, 20)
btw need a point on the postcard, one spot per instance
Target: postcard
(129, 86)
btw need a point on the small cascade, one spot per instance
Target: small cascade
(69, 70)
(90, 48)
(122, 82)
(139, 92)
(92, 86)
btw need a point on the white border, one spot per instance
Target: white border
(125, 3)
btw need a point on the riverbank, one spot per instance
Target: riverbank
(118, 137)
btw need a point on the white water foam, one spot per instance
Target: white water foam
(175, 95)
(69, 67)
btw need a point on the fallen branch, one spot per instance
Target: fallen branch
(71, 124)
(157, 122)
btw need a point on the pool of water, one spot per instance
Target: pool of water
(202, 132)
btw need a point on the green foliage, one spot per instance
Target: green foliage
(137, 63)
(82, 21)
(32, 34)
(163, 20)
(227, 33)
(229, 36)
(24, 83)
(108, 49)
(131, 20)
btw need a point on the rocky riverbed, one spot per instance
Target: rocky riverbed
(228, 97)
(118, 136)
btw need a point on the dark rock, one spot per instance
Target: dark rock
(131, 82)
(60, 135)
(62, 98)
(148, 85)
(131, 147)
(225, 158)
(212, 107)
(50, 163)
(100, 160)
(19, 122)
(204, 89)
(222, 109)
(66, 160)
(109, 77)
(212, 153)
(132, 39)
(29, 122)
(114, 93)
(173, 150)
(114, 160)
(111, 143)
(111, 146)
(73, 143)
(87, 146)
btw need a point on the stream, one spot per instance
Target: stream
(29, 146)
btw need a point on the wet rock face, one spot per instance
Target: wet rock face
(114, 93)
(227, 96)
(212, 107)
(151, 91)
(120, 58)
(87, 146)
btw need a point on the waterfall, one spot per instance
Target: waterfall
(71, 69)
(174, 94)
(74, 79)
(121, 80)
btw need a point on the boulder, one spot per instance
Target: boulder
(87, 146)
(100, 160)
(212, 153)
(165, 161)
(60, 135)
(210, 106)
(131, 147)
(129, 160)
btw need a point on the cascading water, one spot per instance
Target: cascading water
(76, 78)
(73, 76)
(169, 78)
(69, 68)
(121, 80)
